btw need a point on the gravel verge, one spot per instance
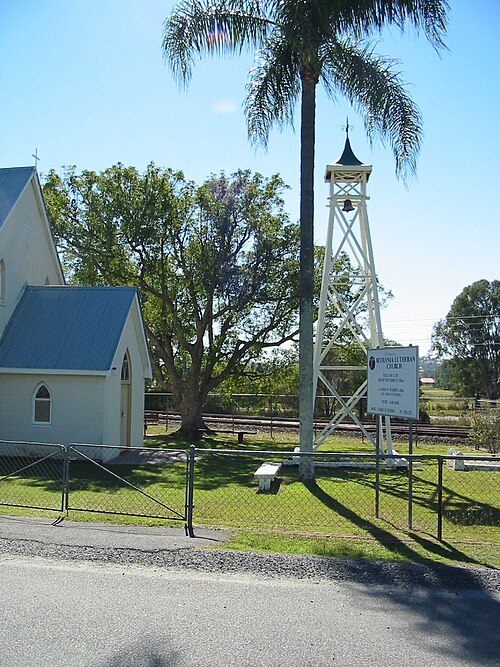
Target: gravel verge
(401, 574)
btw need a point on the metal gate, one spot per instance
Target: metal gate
(128, 481)
(32, 475)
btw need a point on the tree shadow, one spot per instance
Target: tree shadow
(388, 539)
(219, 470)
(444, 549)
(466, 622)
(458, 508)
(146, 653)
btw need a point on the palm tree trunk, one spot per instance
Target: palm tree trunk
(306, 407)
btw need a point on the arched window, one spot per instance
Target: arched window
(42, 405)
(2, 281)
(125, 375)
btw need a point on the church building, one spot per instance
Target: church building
(73, 360)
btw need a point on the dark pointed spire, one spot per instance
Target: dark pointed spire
(348, 159)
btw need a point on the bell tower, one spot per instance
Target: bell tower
(349, 312)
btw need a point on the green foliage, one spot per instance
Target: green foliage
(485, 431)
(470, 337)
(423, 415)
(443, 376)
(274, 373)
(301, 44)
(216, 265)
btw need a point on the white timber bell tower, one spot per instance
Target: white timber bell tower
(349, 311)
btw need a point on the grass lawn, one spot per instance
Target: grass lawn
(334, 516)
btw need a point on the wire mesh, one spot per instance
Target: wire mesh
(471, 498)
(227, 492)
(128, 481)
(32, 475)
(348, 496)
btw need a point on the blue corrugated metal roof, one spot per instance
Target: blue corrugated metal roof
(66, 328)
(12, 182)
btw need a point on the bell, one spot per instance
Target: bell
(348, 207)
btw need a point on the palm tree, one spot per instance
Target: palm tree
(300, 43)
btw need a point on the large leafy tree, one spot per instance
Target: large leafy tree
(301, 43)
(216, 265)
(469, 336)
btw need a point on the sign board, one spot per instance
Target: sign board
(393, 382)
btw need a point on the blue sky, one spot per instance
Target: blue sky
(84, 82)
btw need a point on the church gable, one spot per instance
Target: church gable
(62, 347)
(12, 183)
(28, 254)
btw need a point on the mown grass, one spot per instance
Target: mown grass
(333, 516)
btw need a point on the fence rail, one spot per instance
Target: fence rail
(352, 494)
(135, 482)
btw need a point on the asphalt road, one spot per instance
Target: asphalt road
(72, 611)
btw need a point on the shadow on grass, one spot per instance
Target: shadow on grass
(384, 537)
(458, 508)
(444, 549)
(219, 470)
(216, 440)
(135, 490)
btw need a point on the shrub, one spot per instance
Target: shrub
(485, 431)
(424, 416)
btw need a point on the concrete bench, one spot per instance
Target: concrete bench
(266, 474)
(457, 463)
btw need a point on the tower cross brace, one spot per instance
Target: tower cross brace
(349, 321)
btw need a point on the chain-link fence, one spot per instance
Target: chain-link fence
(32, 475)
(128, 481)
(89, 478)
(352, 494)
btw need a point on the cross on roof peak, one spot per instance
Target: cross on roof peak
(35, 155)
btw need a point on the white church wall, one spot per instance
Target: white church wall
(76, 408)
(85, 408)
(112, 418)
(26, 250)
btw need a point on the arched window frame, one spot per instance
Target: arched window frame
(126, 371)
(39, 406)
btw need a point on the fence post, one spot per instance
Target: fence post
(410, 475)
(190, 491)
(440, 499)
(65, 494)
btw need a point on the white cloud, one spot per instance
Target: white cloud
(225, 106)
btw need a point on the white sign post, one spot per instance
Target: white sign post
(393, 391)
(393, 382)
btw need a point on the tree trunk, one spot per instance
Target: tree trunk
(306, 407)
(190, 406)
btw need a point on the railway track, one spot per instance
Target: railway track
(240, 422)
